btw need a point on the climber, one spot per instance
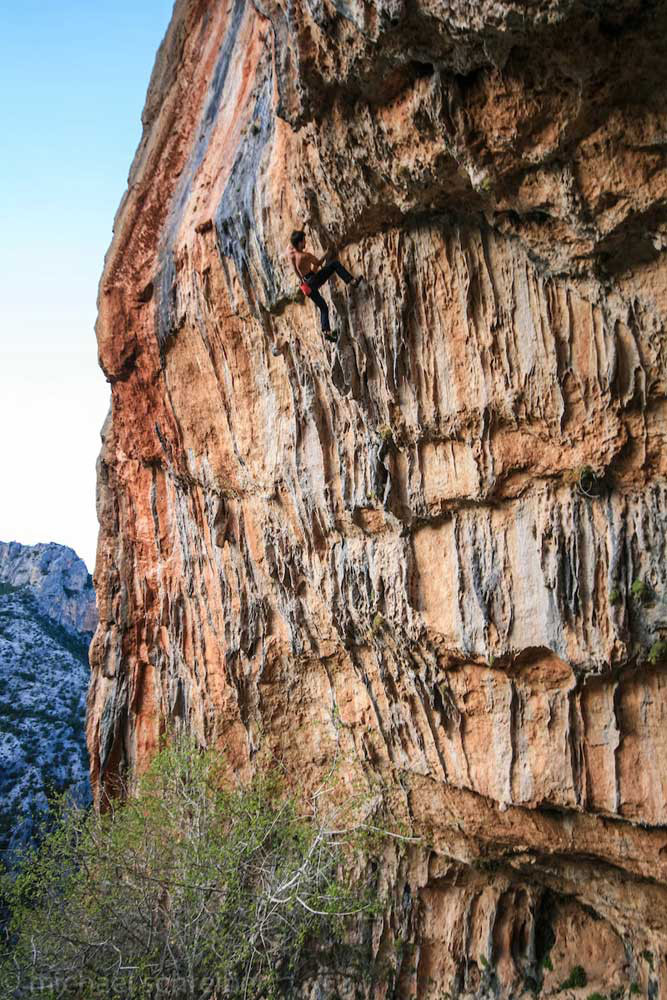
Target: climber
(313, 275)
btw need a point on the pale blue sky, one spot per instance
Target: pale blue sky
(73, 78)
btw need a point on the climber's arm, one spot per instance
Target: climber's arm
(328, 255)
(310, 261)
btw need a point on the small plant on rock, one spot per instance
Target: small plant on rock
(575, 980)
(657, 652)
(648, 957)
(641, 592)
(378, 622)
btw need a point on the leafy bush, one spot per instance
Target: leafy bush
(187, 890)
(575, 980)
(657, 652)
(641, 592)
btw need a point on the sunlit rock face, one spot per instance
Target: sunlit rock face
(434, 552)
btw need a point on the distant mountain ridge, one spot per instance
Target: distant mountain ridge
(47, 617)
(57, 577)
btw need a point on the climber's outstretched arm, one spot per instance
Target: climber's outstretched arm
(310, 262)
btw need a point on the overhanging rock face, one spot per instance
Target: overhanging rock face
(437, 548)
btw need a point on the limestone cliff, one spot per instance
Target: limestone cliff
(436, 549)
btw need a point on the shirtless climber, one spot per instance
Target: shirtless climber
(312, 276)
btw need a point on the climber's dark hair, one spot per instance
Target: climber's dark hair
(297, 236)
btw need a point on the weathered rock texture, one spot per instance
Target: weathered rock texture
(438, 548)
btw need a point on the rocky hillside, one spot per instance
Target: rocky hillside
(45, 591)
(432, 552)
(59, 580)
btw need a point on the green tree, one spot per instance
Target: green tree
(187, 889)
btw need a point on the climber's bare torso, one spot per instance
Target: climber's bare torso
(305, 263)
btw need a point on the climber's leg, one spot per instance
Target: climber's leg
(333, 267)
(342, 272)
(317, 280)
(322, 306)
